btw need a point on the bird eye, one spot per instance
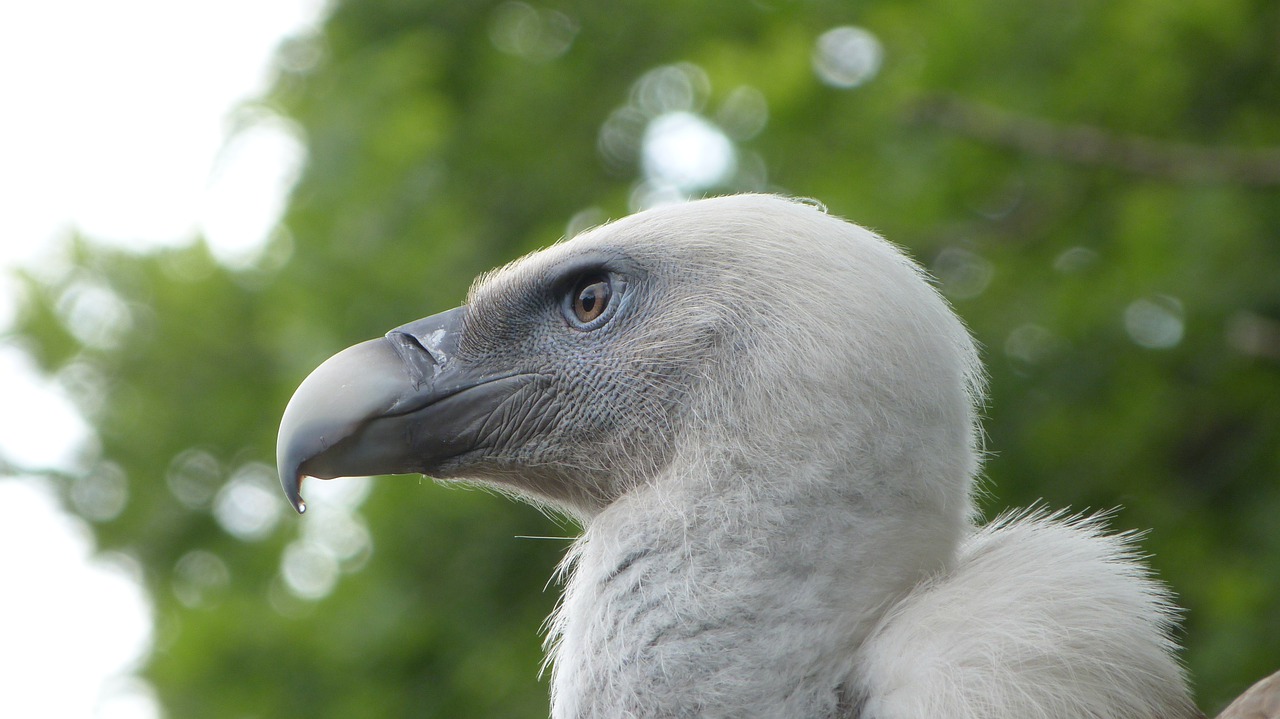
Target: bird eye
(590, 297)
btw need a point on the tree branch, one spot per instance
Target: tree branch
(1089, 145)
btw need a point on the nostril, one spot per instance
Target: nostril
(405, 340)
(416, 357)
(428, 346)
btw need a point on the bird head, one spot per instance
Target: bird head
(748, 331)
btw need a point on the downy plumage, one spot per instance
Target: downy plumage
(766, 419)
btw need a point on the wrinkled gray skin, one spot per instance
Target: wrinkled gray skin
(510, 389)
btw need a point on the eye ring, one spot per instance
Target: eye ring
(588, 303)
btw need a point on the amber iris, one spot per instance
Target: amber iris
(591, 297)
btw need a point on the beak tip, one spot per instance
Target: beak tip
(291, 482)
(299, 504)
(347, 390)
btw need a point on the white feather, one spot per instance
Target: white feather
(802, 545)
(1043, 615)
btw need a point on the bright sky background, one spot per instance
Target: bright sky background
(117, 120)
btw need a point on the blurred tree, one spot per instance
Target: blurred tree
(1091, 182)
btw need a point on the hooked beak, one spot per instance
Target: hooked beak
(403, 403)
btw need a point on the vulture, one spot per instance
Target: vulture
(765, 419)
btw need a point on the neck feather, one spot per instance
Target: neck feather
(712, 595)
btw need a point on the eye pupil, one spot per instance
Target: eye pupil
(591, 297)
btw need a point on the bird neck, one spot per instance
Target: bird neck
(712, 595)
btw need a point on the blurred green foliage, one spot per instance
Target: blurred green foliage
(1090, 181)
